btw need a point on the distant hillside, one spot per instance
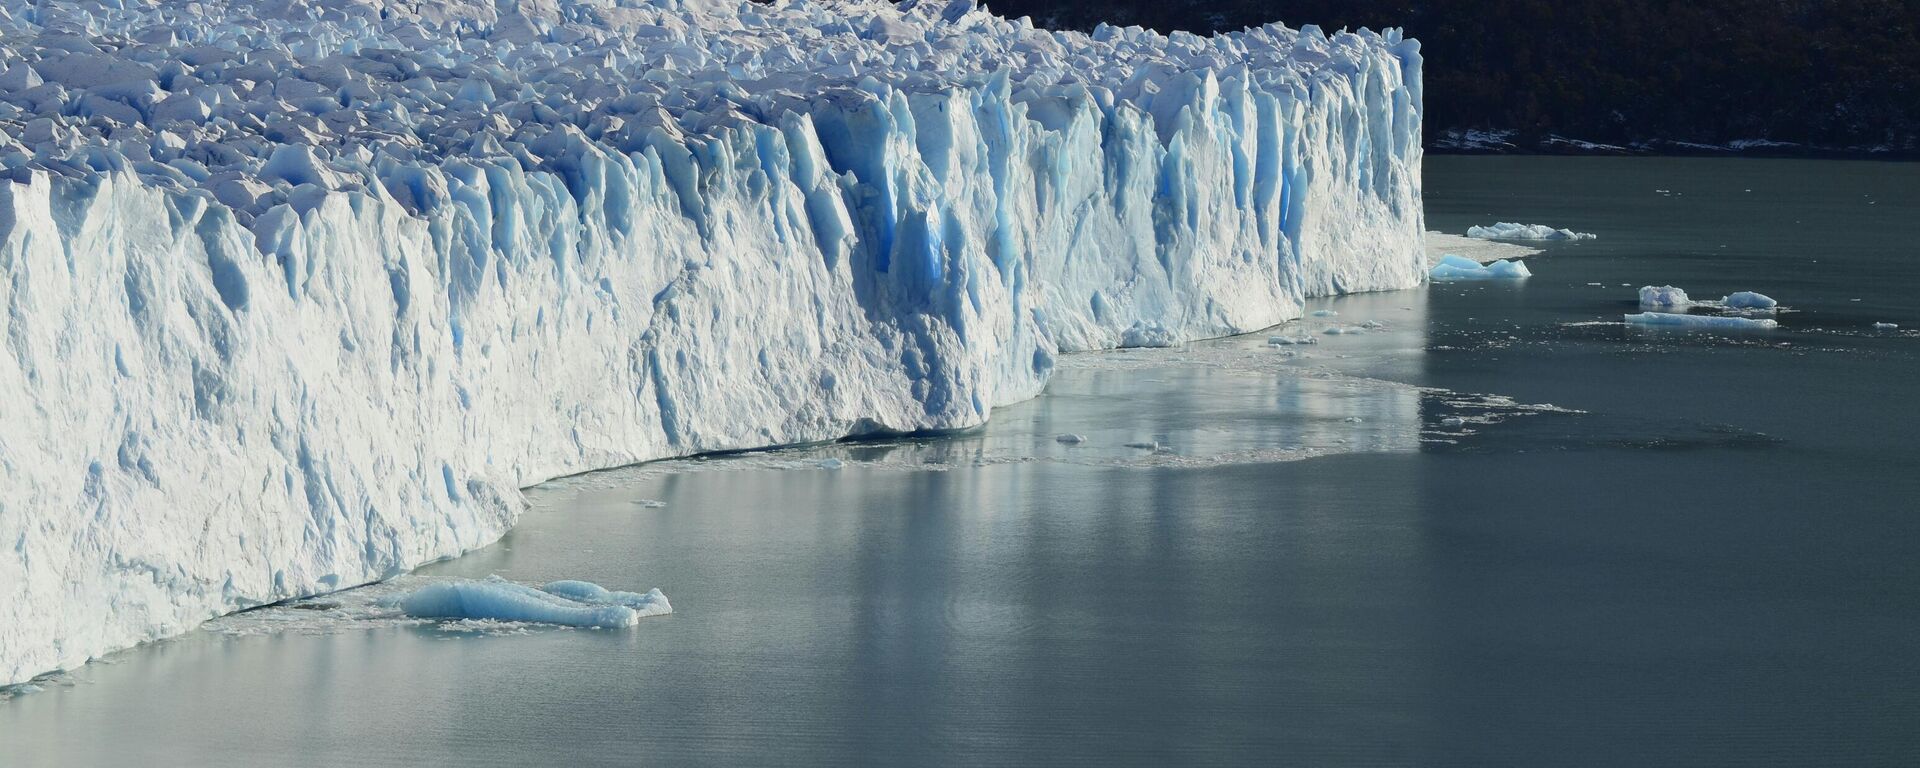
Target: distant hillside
(1788, 76)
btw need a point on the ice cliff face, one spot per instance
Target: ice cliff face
(294, 296)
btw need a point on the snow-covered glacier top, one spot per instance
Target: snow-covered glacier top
(295, 295)
(259, 105)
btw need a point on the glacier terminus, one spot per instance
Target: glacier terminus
(296, 295)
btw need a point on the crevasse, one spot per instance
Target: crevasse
(291, 307)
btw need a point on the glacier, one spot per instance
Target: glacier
(295, 296)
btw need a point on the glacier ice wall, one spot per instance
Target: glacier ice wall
(295, 296)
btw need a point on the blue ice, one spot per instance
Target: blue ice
(1453, 267)
(501, 600)
(652, 603)
(1700, 322)
(1750, 300)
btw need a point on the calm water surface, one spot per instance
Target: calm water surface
(1707, 554)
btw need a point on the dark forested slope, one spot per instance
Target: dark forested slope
(1660, 74)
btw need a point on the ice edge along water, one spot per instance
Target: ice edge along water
(334, 279)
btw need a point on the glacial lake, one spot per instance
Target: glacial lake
(1501, 528)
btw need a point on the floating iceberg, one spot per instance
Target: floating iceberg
(1511, 231)
(1440, 244)
(1667, 296)
(1749, 300)
(1886, 326)
(1701, 322)
(650, 603)
(1663, 296)
(298, 294)
(1461, 268)
(501, 600)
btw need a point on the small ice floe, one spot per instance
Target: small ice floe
(1453, 267)
(1453, 421)
(1667, 296)
(1700, 322)
(1336, 330)
(649, 503)
(1373, 325)
(1325, 313)
(565, 603)
(1886, 326)
(1749, 300)
(649, 603)
(1147, 445)
(1068, 438)
(1663, 296)
(1439, 244)
(1354, 420)
(831, 463)
(1287, 341)
(1510, 231)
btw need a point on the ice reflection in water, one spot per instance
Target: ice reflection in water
(1226, 401)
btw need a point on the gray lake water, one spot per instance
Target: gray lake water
(1632, 548)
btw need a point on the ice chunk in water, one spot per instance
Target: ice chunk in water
(1886, 326)
(652, 603)
(1748, 300)
(1507, 230)
(1070, 439)
(1453, 267)
(1701, 322)
(502, 600)
(1663, 296)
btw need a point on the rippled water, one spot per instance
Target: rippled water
(1527, 534)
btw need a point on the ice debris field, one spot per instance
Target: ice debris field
(297, 295)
